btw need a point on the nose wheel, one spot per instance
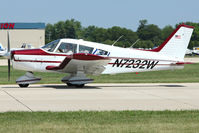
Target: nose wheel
(27, 79)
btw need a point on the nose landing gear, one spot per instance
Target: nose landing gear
(27, 79)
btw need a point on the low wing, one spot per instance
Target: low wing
(88, 63)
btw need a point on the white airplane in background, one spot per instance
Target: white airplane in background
(79, 58)
(2, 50)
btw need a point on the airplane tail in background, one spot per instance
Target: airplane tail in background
(176, 44)
(1, 47)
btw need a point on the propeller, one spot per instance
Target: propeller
(8, 51)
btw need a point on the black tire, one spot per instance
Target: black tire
(79, 86)
(69, 84)
(23, 85)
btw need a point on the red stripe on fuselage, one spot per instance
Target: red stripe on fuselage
(37, 61)
(136, 64)
(34, 52)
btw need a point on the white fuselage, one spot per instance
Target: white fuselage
(122, 59)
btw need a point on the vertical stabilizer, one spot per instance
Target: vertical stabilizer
(176, 44)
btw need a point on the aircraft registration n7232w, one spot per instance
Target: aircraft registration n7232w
(79, 58)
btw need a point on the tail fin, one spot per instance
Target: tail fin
(176, 44)
(1, 47)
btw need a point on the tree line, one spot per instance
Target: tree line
(146, 35)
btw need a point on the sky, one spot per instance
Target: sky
(101, 13)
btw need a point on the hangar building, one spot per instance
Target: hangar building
(22, 33)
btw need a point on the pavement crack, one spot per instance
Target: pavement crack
(18, 100)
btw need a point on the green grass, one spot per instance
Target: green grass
(46, 77)
(191, 56)
(189, 74)
(1, 57)
(100, 122)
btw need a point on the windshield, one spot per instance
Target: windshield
(51, 46)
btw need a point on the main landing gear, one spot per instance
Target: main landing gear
(78, 80)
(27, 79)
(75, 85)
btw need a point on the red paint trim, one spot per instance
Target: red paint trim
(167, 40)
(51, 67)
(182, 63)
(82, 56)
(187, 26)
(61, 66)
(78, 56)
(37, 61)
(178, 63)
(135, 64)
(34, 52)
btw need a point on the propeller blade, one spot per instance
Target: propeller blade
(8, 42)
(9, 57)
(8, 69)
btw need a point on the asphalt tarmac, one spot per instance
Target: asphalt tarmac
(164, 96)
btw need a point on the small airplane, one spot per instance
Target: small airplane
(195, 51)
(79, 58)
(2, 50)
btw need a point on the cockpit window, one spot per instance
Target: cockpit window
(68, 48)
(51, 46)
(85, 49)
(101, 52)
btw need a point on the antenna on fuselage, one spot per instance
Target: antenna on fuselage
(117, 40)
(134, 43)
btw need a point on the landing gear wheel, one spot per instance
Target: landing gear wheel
(79, 86)
(23, 85)
(76, 85)
(69, 84)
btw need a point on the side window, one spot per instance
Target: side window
(68, 48)
(101, 52)
(85, 49)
